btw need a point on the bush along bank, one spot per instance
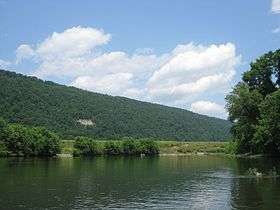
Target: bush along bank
(84, 146)
(19, 140)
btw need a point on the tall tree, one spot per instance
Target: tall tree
(252, 106)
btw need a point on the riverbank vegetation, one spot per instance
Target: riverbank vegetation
(254, 108)
(19, 140)
(163, 147)
(167, 147)
(84, 146)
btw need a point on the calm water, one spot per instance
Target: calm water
(205, 182)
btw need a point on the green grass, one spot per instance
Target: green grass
(174, 147)
(170, 147)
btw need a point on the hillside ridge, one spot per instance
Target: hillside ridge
(70, 112)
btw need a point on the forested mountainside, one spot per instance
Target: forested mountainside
(70, 112)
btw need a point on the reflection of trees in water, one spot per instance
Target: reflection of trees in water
(135, 182)
(132, 181)
(258, 192)
(28, 183)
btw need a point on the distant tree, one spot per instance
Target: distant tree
(253, 106)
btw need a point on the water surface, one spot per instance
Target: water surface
(192, 182)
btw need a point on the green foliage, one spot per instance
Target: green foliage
(47, 144)
(3, 129)
(28, 141)
(3, 136)
(130, 147)
(85, 147)
(232, 147)
(267, 136)
(243, 107)
(3, 150)
(203, 147)
(113, 148)
(254, 107)
(148, 147)
(30, 101)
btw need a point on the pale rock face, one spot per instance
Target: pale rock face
(86, 122)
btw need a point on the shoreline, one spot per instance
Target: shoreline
(167, 148)
(198, 154)
(246, 156)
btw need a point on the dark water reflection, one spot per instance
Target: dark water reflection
(205, 182)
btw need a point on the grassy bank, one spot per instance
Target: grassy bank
(169, 147)
(174, 147)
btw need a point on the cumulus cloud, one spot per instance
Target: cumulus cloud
(176, 78)
(24, 52)
(65, 53)
(73, 42)
(275, 6)
(4, 64)
(194, 70)
(112, 83)
(208, 108)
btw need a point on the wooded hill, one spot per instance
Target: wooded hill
(70, 112)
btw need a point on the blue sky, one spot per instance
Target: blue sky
(179, 53)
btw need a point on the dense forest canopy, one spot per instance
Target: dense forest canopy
(71, 112)
(254, 107)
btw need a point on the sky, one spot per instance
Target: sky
(186, 54)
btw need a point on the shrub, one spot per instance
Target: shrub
(85, 146)
(130, 147)
(148, 147)
(113, 148)
(26, 141)
(47, 144)
(19, 140)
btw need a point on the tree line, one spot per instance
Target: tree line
(85, 146)
(21, 140)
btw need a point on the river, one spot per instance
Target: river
(169, 182)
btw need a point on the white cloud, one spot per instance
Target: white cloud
(193, 70)
(73, 42)
(275, 6)
(112, 83)
(4, 64)
(176, 78)
(144, 51)
(24, 52)
(66, 53)
(208, 108)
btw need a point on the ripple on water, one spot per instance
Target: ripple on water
(220, 175)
